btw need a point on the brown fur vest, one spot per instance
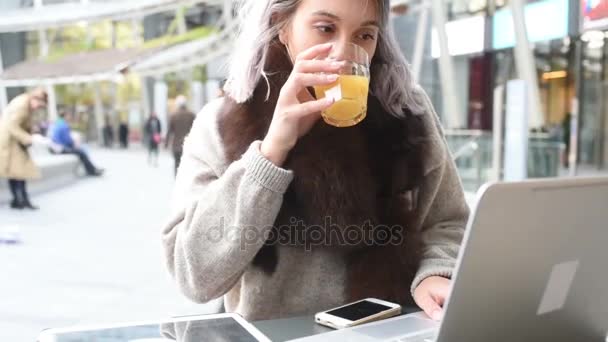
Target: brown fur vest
(361, 180)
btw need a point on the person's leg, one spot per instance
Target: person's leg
(155, 152)
(84, 159)
(17, 202)
(13, 187)
(177, 157)
(26, 197)
(121, 135)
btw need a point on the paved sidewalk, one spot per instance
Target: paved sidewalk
(92, 253)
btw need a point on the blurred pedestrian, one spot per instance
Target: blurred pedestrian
(153, 137)
(15, 139)
(179, 126)
(123, 134)
(108, 133)
(62, 137)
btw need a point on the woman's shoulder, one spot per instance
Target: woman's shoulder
(435, 148)
(204, 139)
(206, 121)
(429, 115)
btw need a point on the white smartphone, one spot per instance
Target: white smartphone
(363, 311)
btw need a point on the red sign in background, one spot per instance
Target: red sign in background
(595, 12)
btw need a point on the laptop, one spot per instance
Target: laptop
(532, 267)
(209, 328)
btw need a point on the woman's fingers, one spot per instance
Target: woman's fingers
(428, 304)
(310, 107)
(317, 66)
(315, 51)
(294, 116)
(430, 295)
(310, 80)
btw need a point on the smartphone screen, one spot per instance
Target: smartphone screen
(359, 310)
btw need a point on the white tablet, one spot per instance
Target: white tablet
(213, 328)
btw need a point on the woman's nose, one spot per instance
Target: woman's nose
(339, 50)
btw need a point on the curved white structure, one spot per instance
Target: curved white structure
(58, 15)
(187, 55)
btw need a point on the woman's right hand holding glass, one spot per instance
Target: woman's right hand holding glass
(297, 110)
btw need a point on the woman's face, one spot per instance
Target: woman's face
(339, 21)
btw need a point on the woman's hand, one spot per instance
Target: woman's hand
(297, 111)
(431, 294)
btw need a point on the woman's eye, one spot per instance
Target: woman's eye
(325, 28)
(367, 36)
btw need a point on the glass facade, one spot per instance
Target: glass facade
(593, 109)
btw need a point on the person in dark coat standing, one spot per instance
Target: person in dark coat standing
(123, 134)
(108, 133)
(179, 126)
(153, 131)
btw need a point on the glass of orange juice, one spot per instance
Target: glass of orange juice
(350, 90)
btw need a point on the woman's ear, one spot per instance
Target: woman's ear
(283, 36)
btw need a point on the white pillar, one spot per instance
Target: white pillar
(497, 133)
(516, 131)
(135, 27)
(98, 111)
(212, 88)
(145, 97)
(421, 34)
(43, 42)
(3, 97)
(180, 16)
(161, 93)
(52, 103)
(44, 52)
(113, 35)
(198, 96)
(526, 63)
(50, 89)
(451, 107)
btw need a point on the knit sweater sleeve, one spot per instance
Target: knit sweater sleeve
(221, 216)
(447, 213)
(443, 228)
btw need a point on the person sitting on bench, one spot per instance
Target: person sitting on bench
(61, 137)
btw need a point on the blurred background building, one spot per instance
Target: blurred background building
(568, 62)
(124, 59)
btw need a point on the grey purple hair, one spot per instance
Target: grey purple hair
(260, 24)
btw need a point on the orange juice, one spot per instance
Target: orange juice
(351, 105)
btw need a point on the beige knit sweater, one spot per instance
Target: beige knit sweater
(214, 202)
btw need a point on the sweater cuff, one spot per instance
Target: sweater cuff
(432, 268)
(264, 172)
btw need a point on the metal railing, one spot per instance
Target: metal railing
(472, 153)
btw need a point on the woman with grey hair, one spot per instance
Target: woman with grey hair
(283, 214)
